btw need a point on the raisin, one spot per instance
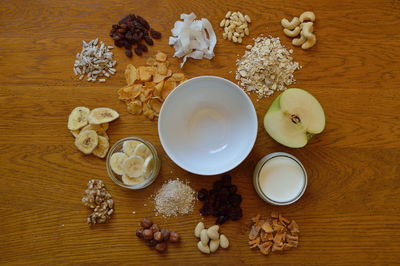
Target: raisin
(119, 43)
(138, 51)
(235, 200)
(202, 194)
(142, 47)
(128, 53)
(232, 189)
(155, 34)
(143, 22)
(148, 40)
(221, 220)
(227, 180)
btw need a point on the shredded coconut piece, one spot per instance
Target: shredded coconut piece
(174, 198)
(193, 38)
(266, 67)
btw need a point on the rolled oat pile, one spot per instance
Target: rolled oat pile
(266, 67)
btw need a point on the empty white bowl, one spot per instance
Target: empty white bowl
(207, 125)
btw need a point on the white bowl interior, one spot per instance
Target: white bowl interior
(207, 125)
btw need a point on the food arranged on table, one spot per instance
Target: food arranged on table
(198, 133)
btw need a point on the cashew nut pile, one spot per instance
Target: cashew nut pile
(302, 25)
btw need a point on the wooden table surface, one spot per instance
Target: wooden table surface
(350, 213)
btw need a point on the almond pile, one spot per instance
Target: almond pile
(274, 234)
(148, 86)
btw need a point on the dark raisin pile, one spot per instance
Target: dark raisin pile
(133, 30)
(222, 201)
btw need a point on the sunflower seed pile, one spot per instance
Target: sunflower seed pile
(266, 67)
(95, 61)
(100, 201)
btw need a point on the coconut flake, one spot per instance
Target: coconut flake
(193, 38)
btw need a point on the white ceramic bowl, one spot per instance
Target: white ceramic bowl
(207, 125)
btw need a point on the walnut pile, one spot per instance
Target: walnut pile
(100, 201)
(274, 234)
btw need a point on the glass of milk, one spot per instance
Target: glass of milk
(280, 178)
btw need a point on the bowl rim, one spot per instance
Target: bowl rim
(252, 113)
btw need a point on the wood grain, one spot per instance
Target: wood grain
(350, 211)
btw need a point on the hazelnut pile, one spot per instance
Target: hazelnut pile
(156, 238)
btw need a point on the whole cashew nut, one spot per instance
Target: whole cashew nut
(308, 15)
(290, 25)
(310, 42)
(292, 33)
(307, 29)
(299, 41)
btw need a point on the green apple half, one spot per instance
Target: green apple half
(294, 117)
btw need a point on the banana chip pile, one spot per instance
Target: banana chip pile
(89, 129)
(148, 86)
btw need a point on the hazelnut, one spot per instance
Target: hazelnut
(152, 243)
(154, 228)
(165, 234)
(148, 234)
(146, 223)
(139, 233)
(174, 237)
(161, 247)
(158, 236)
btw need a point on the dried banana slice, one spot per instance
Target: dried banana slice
(116, 161)
(87, 141)
(102, 115)
(98, 128)
(149, 164)
(133, 166)
(129, 147)
(142, 150)
(102, 147)
(131, 181)
(78, 118)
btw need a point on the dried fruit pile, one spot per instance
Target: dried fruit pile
(89, 129)
(134, 163)
(100, 201)
(148, 86)
(221, 201)
(156, 237)
(131, 30)
(274, 234)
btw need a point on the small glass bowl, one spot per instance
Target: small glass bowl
(117, 147)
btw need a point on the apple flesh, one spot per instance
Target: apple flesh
(294, 117)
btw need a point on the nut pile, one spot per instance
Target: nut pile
(131, 30)
(148, 86)
(266, 67)
(221, 201)
(100, 201)
(134, 163)
(95, 61)
(156, 237)
(174, 198)
(236, 26)
(210, 239)
(89, 129)
(299, 26)
(274, 234)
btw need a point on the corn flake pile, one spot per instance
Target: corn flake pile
(148, 86)
(274, 234)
